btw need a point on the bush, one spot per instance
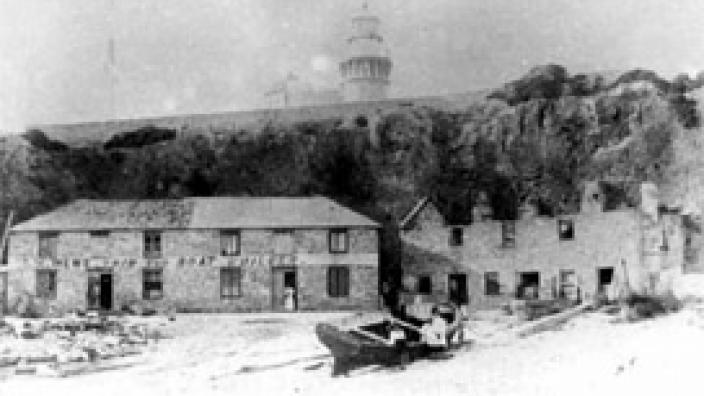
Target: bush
(39, 139)
(140, 137)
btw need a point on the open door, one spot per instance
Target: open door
(99, 291)
(604, 277)
(3, 293)
(528, 285)
(284, 291)
(457, 289)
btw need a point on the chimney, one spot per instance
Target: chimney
(593, 198)
(649, 200)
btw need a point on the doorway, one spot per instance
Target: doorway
(568, 285)
(457, 289)
(528, 285)
(604, 277)
(3, 293)
(284, 289)
(100, 290)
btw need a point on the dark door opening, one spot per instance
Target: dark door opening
(285, 290)
(528, 285)
(106, 291)
(604, 278)
(290, 291)
(457, 289)
(3, 293)
(100, 291)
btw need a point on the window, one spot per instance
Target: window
(100, 234)
(46, 284)
(152, 286)
(565, 229)
(48, 242)
(230, 282)
(4, 255)
(456, 236)
(664, 245)
(229, 243)
(338, 241)
(491, 284)
(425, 284)
(508, 234)
(338, 281)
(152, 244)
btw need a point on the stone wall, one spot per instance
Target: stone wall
(601, 239)
(191, 265)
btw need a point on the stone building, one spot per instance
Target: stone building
(489, 262)
(197, 254)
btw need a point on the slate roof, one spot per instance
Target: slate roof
(198, 213)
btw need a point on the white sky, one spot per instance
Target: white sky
(196, 56)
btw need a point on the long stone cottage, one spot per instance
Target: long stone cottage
(578, 255)
(196, 254)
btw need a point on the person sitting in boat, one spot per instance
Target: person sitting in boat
(435, 332)
(396, 334)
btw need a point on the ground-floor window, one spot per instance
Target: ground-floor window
(425, 284)
(230, 282)
(46, 284)
(338, 281)
(153, 284)
(491, 284)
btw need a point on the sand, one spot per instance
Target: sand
(278, 354)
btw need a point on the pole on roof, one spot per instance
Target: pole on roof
(5, 233)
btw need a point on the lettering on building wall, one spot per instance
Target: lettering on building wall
(266, 260)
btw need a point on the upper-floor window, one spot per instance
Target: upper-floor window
(456, 236)
(565, 229)
(152, 244)
(508, 234)
(48, 242)
(425, 284)
(338, 241)
(230, 243)
(46, 283)
(664, 245)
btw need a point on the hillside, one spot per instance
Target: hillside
(533, 141)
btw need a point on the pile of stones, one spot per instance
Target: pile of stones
(74, 344)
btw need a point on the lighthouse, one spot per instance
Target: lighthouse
(366, 66)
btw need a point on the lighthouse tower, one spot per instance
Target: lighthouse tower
(366, 67)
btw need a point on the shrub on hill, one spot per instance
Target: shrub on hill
(38, 139)
(140, 137)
